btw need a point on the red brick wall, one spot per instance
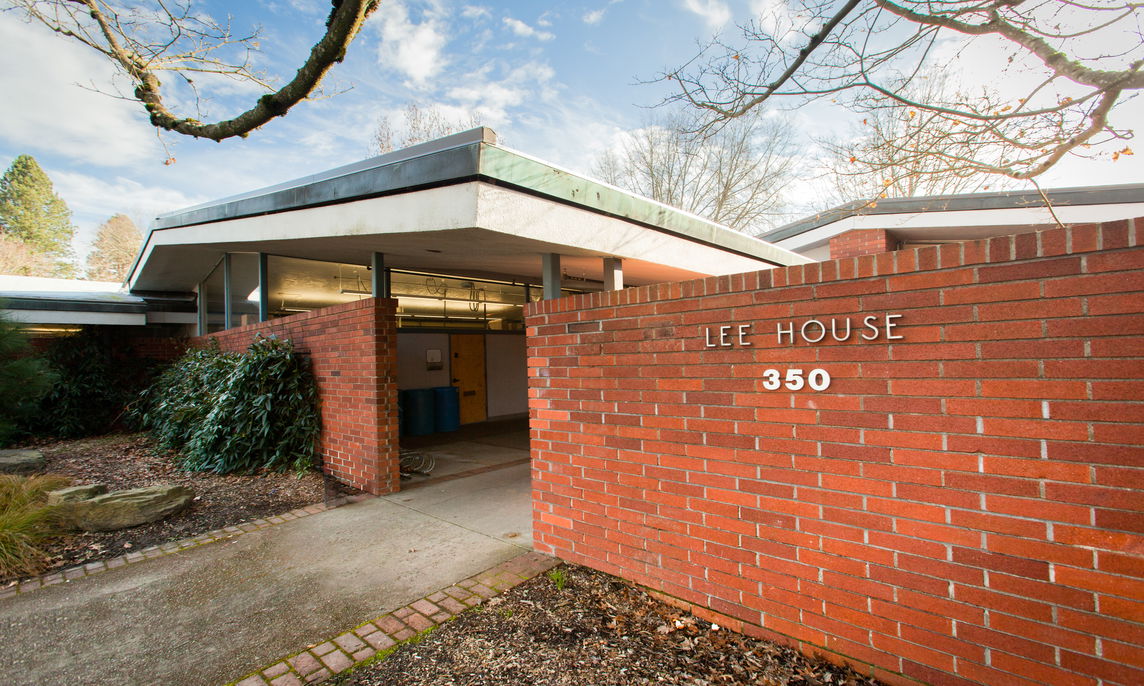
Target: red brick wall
(961, 505)
(353, 349)
(862, 242)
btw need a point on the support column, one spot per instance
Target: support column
(613, 274)
(263, 288)
(551, 276)
(226, 300)
(201, 300)
(380, 284)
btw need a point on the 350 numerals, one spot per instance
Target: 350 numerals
(796, 379)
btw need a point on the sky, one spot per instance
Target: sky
(559, 81)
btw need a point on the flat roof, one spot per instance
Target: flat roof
(933, 205)
(454, 161)
(40, 300)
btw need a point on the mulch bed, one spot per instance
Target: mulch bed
(596, 630)
(124, 461)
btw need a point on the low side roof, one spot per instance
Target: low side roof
(38, 300)
(1001, 208)
(465, 158)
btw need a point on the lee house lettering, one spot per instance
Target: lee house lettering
(866, 328)
(870, 327)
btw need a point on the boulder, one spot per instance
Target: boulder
(76, 493)
(21, 461)
(123, 509)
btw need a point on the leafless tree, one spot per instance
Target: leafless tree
(116, 243)
(418, 124)
(898, 152)
(866, 53)
(146, 39)
(735, 177)
(21, 259)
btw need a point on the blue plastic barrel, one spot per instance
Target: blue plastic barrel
(448, 414)
(419, 411)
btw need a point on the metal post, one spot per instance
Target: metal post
(613, 274)
(380, 285)
(263, 287)
(202, 305)
(550, 273)
(226, 307)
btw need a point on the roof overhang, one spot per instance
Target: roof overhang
(963, 225)
(457, 205)
(965, 217)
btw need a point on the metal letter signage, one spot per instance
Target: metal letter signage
(873, 327)
(869, 327)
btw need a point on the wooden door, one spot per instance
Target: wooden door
(468, 369)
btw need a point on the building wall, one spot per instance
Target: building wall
(964, 504)
(411, 366)
(353, 351)
(507, 375)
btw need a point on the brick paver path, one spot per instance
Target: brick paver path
(351, 648)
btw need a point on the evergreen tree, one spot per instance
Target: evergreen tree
(31, 212)
(114, 249)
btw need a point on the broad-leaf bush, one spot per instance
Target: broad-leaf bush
(24, 379)
(97, 376)
(229, 412)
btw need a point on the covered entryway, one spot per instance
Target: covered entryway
(473, 449)
(447, 242)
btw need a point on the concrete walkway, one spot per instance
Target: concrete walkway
(211, 614)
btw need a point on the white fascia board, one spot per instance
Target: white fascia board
(435, 209)
(518, 214)
(65, 317)
(450, 207)
(945, 225)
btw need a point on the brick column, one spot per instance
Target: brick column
(862, 242)
(353, 352)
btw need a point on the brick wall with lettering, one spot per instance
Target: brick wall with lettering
(963, 504)
(353, 350)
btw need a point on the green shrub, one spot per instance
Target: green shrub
(24, 379)
(26, 521)
(226, 412)
(97, 376)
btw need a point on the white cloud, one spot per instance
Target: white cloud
(94, 199)
(43, 110)
(414, 49)
(525, 31)
(715, 12)
(595, 16)
(492, 100)
(475, 12)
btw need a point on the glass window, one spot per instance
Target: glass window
(243, 288)
(436, 300)
(302, 285)
(215, 298)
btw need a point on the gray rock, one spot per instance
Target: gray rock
(123, 509)
(76, 493)
(21, 461)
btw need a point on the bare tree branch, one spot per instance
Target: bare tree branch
(144, 41)
(867, 54)
(734, 177)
